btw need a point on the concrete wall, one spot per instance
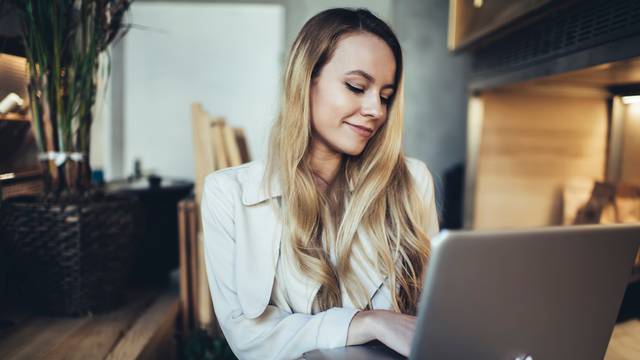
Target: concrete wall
(435, 87)
(299, 11)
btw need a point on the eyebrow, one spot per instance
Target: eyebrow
(369, 77)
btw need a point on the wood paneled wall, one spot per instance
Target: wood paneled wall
(531, 143)
(631, 145)
(13, 75)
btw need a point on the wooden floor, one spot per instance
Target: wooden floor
(143, 328)
(625, 341)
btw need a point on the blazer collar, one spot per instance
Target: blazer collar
(253, 191)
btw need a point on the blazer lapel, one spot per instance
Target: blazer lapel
(258, 240)
(371, 279)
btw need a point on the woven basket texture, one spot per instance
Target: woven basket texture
(70, 258)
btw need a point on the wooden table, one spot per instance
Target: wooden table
(143, 328)
(625, 341)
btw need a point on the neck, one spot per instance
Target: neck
(325, 163)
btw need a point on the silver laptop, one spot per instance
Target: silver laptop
(546, 293)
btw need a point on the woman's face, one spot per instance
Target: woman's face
(349, 95)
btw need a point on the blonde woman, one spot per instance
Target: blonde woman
(325, 244)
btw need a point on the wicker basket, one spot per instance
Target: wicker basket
(71, 257)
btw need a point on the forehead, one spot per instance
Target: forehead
(366, 52)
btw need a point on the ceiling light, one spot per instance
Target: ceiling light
(631, 99)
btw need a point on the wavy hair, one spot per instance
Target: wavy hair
(374, 189)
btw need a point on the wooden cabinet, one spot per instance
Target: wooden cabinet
(471, 21)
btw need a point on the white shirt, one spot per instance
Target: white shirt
(242, 241)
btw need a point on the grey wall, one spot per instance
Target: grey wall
(299, 11)
(435, 87)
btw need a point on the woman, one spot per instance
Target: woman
(303, 252)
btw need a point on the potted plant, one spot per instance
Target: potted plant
(73, 242)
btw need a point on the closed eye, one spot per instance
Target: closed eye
(357, 90)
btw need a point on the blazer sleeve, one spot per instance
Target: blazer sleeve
(276, 333)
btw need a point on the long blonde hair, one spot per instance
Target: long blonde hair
(374, 189)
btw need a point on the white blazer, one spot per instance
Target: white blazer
(241, 243)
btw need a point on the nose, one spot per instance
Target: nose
(372, 106)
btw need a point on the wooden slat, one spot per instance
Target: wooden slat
(227, 147)
(631, 145)
(162, 313)
(193, 221)
(231, 146)
(14, 75)
(200, 304)
(95, 338)
(219, 152)
(204, 310)
(14, 117)
(183, 251)
(242, 145)
(36, 337)
(203, 157)
(145, 324)
(162, 345)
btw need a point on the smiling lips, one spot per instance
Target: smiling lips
(360, 130)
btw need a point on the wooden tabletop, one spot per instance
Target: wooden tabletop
(625, 341)
(143, 328)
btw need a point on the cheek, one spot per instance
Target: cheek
(331, 106)
(329, 109)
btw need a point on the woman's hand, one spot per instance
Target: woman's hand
(393, 329)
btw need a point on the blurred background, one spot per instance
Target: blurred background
(229, 55)
(526, 112)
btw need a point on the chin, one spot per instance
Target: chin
(353, 150)
(348, 145)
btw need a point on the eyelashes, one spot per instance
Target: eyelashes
(358, 90)
(355, 89)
